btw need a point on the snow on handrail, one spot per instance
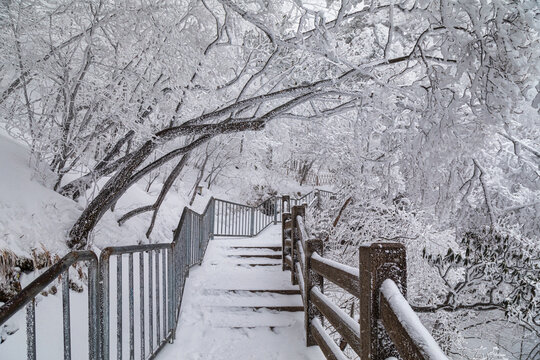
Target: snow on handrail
(410, 322)
(345, 268)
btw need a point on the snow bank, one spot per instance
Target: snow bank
(31, 215)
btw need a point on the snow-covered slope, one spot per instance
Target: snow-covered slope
(31, 215)
(34, 217)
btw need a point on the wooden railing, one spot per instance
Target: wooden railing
(387, 326)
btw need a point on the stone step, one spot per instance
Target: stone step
(256, 308)
(267, 256)
(253, 291)
(259, 264)
(274, 248)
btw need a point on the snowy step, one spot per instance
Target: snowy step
(272, 248)
(239, 304)
(248, 291)
(273, 328)
(243, 260)
(250, 251)
(257, 308)
(268, 256)
(251, 300)
(259, 318)
(258, 264)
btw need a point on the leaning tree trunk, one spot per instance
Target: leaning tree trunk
(113, 189)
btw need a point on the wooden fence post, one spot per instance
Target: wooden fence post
(299, 210)
(285, 204)
(378, 262)
(275, 209)
(311, 279)
(285, 215)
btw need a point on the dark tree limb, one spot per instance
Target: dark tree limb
(165, 189)
(199, 179)
(135, 212)
(123, 178)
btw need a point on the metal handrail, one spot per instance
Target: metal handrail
(27, 297)
(153, 252)
(166, 267)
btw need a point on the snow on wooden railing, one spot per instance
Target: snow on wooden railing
(404, 327)
(387, 326)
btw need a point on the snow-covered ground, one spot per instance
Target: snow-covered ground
(216, 323)
(35, 218)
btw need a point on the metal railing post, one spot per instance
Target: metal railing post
(201, 238)
(104, 303)
(172, 290)
(212, 217)
(378, 262)
(252, 222)
(93, 297)
(275, 210)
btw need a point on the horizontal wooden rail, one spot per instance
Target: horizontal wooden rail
(343, 323)
(410, 337)
(343, 276)
(379, 284)
(328, 347)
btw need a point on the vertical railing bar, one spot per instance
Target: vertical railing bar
(201, 239)
(234, 220)
(158, 320)
(66, 316)
(119, 307)
(251, 221)
(188, 244)
(216, 212)
(164, 289)
(198, 234)
(104, 282)
(194, 238)
(222, 217)
(276, 210)
(93, 323)
(150, 304)
(241, 218)
(226, 232)
(141, 297)
(31, 330)
(236, 207)
(131, 310)
(191, 240)
(170, 288)
(230, 220)
(216, 217)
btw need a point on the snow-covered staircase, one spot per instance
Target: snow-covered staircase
(239, 304)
